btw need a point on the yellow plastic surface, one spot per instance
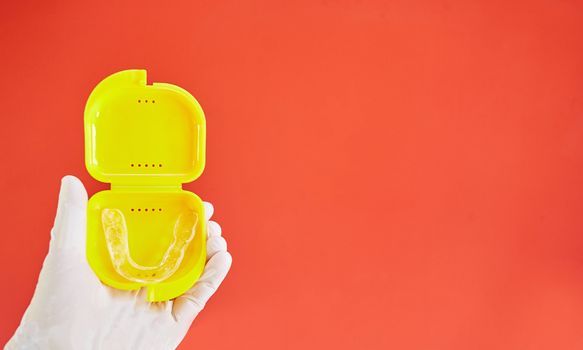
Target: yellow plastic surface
(146, 140)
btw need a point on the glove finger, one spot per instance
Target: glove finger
(214, 229)
(215, 245)
(69, 227)
(187, 306)
(209, 209)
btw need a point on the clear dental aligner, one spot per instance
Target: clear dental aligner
(116, 236)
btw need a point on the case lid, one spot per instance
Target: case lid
(143, 135)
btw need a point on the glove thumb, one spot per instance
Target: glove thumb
(69, 228)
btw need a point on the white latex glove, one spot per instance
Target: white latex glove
(72, 309)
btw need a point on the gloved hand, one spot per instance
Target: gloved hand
(72, 309)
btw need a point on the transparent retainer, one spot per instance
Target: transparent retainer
(116, 236)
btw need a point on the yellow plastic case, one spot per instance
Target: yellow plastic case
(146, 140)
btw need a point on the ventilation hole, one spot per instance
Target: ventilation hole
(160, 165)
(139, 101)
(139, 165)
(145, 101)
(132, 165)
(153, 101)
(153, 209)
(153, 165)
(159, 209)
(139, 209)
(146, 209)
(132, 209)
(154, 274)
(146, 165)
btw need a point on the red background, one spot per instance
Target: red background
(389, 175)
